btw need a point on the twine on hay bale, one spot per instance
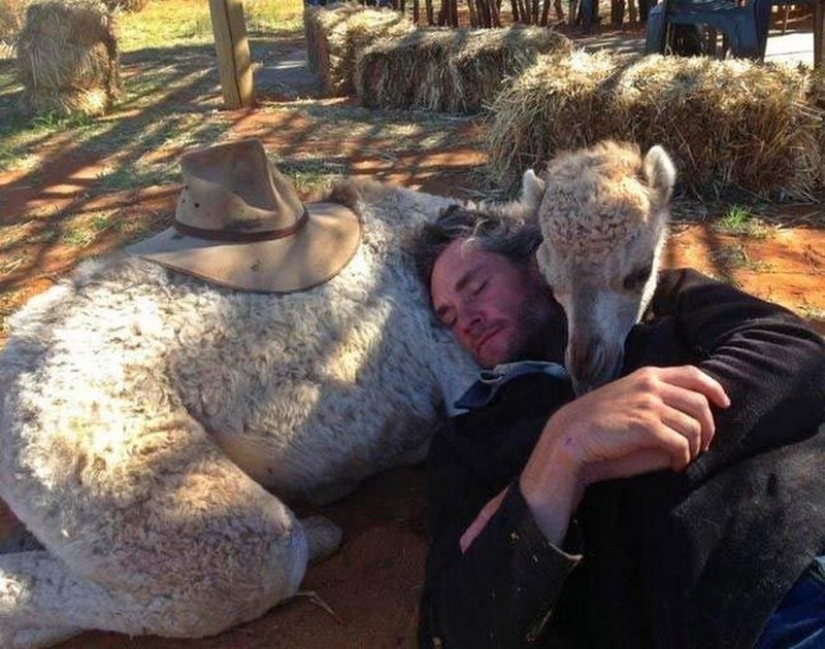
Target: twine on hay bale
(728, 124)
(335, 34)
(67, 58)
(449, 70)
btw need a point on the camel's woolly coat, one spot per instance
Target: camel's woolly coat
(116, 386)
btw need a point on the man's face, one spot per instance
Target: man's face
(498, 311)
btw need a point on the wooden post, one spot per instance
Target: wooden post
(234, 61)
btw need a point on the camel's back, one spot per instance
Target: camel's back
(302, 388)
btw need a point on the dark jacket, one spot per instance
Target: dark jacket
(693, 559)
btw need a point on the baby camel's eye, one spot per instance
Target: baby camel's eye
(636, 280)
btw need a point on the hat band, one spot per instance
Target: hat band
(237, 236)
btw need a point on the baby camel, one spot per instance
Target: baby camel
(604, 220)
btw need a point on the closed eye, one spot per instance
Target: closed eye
(479, 287)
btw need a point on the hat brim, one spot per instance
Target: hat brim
(313, 255)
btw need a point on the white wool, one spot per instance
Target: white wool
(147, 419)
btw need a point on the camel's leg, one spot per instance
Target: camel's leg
(42, 603)
(166, 537)
(38, 595)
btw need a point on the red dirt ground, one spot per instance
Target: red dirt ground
(372, 585)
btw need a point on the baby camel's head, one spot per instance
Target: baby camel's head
(604, 219)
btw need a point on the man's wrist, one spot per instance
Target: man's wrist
(552, 488)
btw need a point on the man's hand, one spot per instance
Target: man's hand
(653, 419)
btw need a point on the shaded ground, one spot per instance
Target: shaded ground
(76, 199)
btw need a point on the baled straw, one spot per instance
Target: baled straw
(337, 33)
(731, 123)
(67, 58)
(727, 124)
(449, 70)
(557, 104)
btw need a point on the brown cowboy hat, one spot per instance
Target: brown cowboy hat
(239, 223)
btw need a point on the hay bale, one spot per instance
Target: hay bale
(554, 105)
(449, 70)
(727, 124)
(12, 18)
(335, 34)
(67, 58)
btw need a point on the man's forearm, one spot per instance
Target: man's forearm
(770, 363)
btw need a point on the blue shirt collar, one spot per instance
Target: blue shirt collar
(489, 382)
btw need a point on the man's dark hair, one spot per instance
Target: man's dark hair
(511, 237)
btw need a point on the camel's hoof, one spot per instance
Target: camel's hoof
(323, 537)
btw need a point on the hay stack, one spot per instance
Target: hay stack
(732, 123)
(67, 58)
(337, 33)
(449, 70)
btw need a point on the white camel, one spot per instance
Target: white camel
(604, 221)
(147, 418)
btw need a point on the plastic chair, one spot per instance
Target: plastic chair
(740, 24)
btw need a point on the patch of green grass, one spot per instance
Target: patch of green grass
(274, 15)
(55, 122)
(82, 230)
(738, 220)
(135, 176)
(736, 258)
(312, 174)
(164, 25)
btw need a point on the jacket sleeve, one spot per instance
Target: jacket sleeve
(771, 364)
(502, 591)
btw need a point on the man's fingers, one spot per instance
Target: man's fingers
(688, 427)
(692, 378)
(690, 413)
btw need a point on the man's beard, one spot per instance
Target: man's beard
(544, 330)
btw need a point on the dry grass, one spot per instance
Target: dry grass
(336, 34)
(449, 70)
(728, 124)
(67, 58)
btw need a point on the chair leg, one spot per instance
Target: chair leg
(656, 29)
(762, 16)
(819, 27)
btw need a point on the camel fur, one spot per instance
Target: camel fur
(604, 219)
(153, 428)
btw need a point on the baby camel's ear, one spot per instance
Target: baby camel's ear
(532, 189)
(660, 172)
